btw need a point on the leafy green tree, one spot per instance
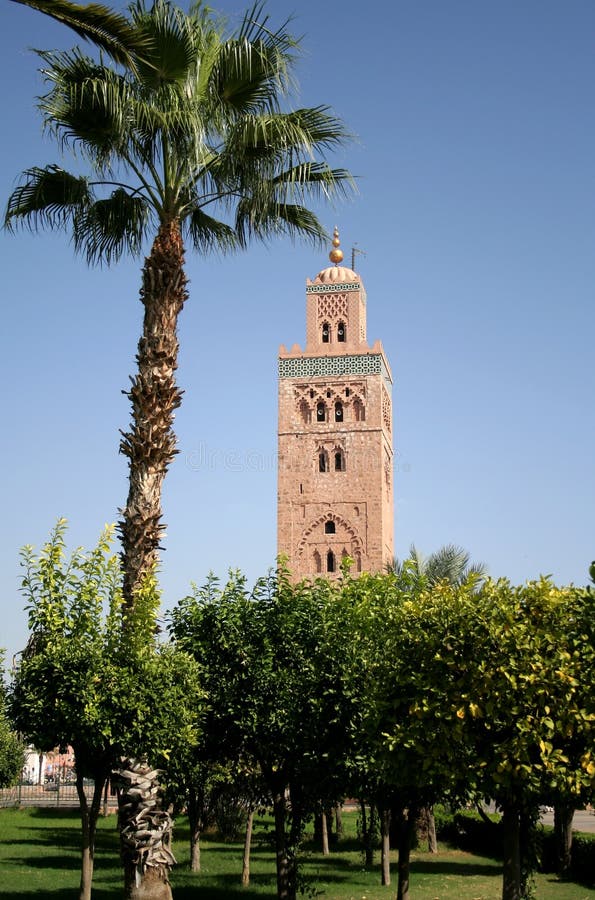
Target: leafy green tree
(83, 680)
(12, 748)
(274, 682)
(483, 693)
(188, 142)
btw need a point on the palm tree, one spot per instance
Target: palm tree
(450, 563)
(186, 139)
(191, 144)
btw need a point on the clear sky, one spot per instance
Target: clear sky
(475, 158)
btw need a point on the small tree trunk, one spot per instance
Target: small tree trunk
(195, 850)
(511, 867)
(195, 819)
(338, 820)
(406, 826)
(563, 816)
(247, 846)
(89, 816)
(324, 834)
(432, 842)
(285, 889)
(105, 807)
(385, 846)
(367, 833)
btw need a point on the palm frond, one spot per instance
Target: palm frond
(48, 198)
(255, 219)
(88, 104)
(209, 234)
(108, 30)
(108, 228)
(170, 34)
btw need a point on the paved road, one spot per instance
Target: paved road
(583, 820)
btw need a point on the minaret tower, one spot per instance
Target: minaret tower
(335, 480)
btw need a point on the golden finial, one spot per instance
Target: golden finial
(336, 254)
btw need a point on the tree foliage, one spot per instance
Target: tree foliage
(86, 681)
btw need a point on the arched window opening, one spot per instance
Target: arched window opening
(321, 412)
(330, 561)
(322, 462)
(341, 333)
(359, 410)
(339, 461)
(326, 333)
(317, 562)
(329, 527)
(338, 411)
(305, 412)
(311, 394)
(358, 561)
(329, 394)
(347, 392)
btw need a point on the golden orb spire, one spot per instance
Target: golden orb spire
(336, 254)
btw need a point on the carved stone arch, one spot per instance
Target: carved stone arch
(318, 522)
(305, 411)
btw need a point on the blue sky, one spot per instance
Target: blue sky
(475, 157)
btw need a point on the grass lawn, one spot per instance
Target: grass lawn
(39, 856)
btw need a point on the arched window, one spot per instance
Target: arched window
(321, 412)
(330, 561)
(329, 527)
(339, 461)
(317, 562)
(305, 412)
(323, 461)
(341, 333)
(359, 410)
(326, 333)
(338, 411)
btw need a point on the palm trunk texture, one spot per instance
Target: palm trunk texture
(150, 445)
(145, 833)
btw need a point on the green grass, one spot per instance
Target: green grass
(39, 856)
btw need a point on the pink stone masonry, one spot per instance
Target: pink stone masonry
(335, 475)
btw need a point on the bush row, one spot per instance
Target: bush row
(469, 831)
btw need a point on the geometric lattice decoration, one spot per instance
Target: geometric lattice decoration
(354, 364)
(332, 307)
(386, 405)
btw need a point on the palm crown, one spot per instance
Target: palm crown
(191, 131)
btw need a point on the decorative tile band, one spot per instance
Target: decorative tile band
(322, 366)
(332, 288)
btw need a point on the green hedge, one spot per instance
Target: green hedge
(467, 830)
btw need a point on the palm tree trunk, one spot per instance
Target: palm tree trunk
(145, 833)
(150, 445)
